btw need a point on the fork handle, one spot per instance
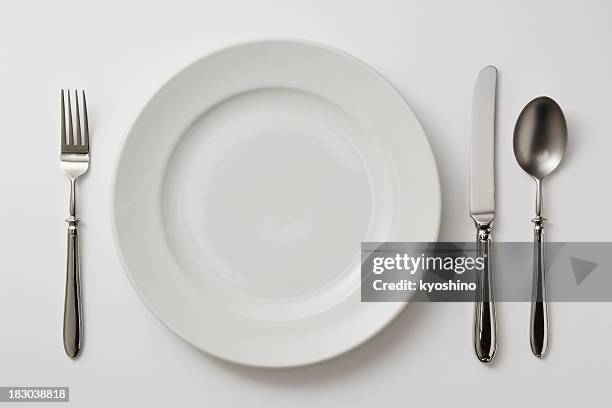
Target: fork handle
(73, 324)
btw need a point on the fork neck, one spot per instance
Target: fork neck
(72, 200)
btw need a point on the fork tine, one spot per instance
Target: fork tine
(63, 121)
(77, 124)
(85, 123)
(70, 133)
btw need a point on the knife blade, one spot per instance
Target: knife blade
(482, 147)
(482, 208)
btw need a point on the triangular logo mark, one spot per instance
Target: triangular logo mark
(582, 268)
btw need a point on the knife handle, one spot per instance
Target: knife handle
(539, 309)
(485, 330)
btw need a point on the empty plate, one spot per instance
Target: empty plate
(245, 187)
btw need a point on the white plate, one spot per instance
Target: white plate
(245, 187)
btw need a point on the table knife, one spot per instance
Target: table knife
(482, 208)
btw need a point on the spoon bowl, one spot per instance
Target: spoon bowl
(540, 137)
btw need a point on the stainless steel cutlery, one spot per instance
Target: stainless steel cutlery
(74, 160)
(539, 142)
(482, 207)
(540, 138)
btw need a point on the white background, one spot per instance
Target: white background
(121, 52)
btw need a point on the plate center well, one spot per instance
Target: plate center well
(267, 195)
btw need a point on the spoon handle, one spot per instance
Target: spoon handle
(539, 308)
(485, 331)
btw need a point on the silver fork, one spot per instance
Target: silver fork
(74, 162)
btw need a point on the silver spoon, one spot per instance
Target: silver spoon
(540, 138)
